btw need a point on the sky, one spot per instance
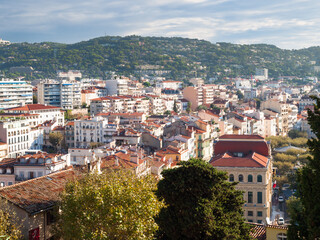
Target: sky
(288, 24)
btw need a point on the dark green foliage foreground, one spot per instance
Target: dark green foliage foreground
(305, 211)
(200, 204)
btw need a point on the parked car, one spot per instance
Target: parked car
(280, 221)
(285, 186)
(280, 199)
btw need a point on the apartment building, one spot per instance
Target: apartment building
(120, 104)
(117, 87)
(17, 133)
(14, 93)
(201, 95)
(95, 130)
(247, 160)
(64, 93)
(287, 113)
(43, 112)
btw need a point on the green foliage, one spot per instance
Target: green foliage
(297, 134)
(34, 99)
(305, 222)
(83, 105)
(8, 224)
(146, 84)
(239, 94)
(178, 56)
(112, 205)
(188, 107)
(202, 107)
(200, 204)
(175, 107)
(167, 112)
(94, 145)
(68, 115)
(55, 139)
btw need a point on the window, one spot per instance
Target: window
(231, 178)
(250, 213)
(259, 178)
(250, 220)
(31, 175)
(281, 236)
(10, 183)
(240, 178)
(40, 174)
(259, 214)
(249, 178)
(259, 197)
(250, 197)
(50, 217)
(2, 184)
(259, 221)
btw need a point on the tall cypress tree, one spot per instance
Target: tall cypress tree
(305, 223)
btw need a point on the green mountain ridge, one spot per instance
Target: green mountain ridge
(175, 58)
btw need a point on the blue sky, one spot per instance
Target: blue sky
(289, 24)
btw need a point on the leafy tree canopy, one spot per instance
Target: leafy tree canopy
(112, 205)
(200, 204)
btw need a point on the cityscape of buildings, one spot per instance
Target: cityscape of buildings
(147, 126)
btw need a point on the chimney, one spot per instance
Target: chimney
(134, 158)
(116, 161)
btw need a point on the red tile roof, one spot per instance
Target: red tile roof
(244, 147)
(258, 231)
(40, 193)
(251, 160)
(236, 136)
(31, 107)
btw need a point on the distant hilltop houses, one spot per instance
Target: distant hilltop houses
(4, 42)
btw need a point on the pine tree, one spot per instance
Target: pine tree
(305, 223)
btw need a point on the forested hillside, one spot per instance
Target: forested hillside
(176, 58)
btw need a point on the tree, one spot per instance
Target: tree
(146, 84)
(167, 112)
(112, 205)
(55, 139)
(202, 107)
(175, 107)
(305, 223)
(199, 204)
(239, 94)
(8, 227)
(188, 107)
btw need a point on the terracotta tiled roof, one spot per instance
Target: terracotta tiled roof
(258, 231)
(241, 143)
(31, 107)
(40, 193)
(227, 160)
(235, 136)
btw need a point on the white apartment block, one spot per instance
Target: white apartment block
(96, 130)
(17, 133)
(70, 75)
(14, 93)
(120, 104)
(175, 85)
(41, 113)
(117, 87)
(65, 94)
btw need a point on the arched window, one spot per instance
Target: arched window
(231, 178)
(281, 236)
(259, 178)
(240, 178)
(249, 178)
